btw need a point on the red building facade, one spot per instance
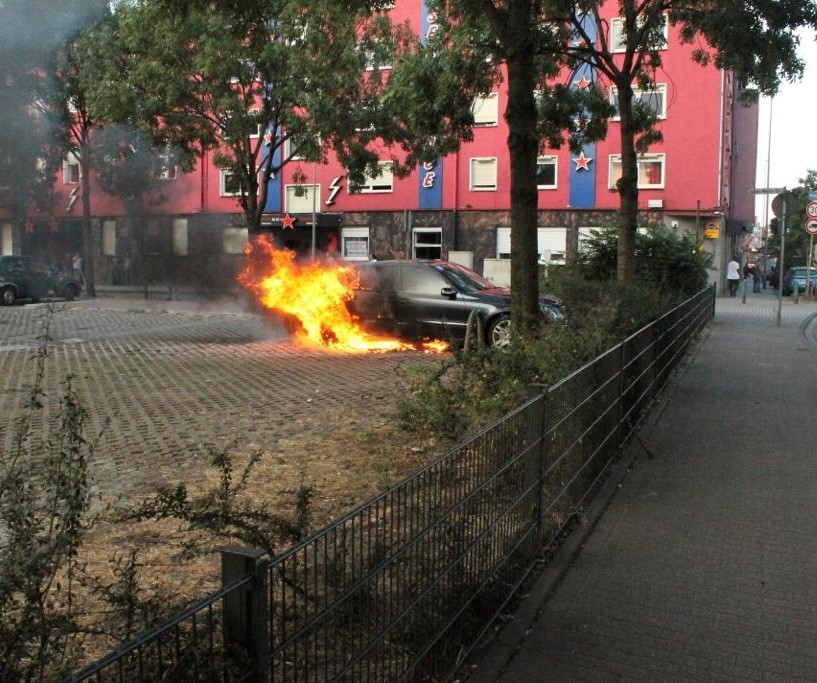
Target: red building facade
(696, 180)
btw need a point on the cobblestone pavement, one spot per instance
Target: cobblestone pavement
(160, 379)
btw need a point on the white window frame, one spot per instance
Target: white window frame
(617, 44)
(357, 236)
(484, 179)
(382, 184)
(660, 88)
(369, 55)
(418, 243)
(548, 159)
(304, 203)
(223, 180)
(71, 170)
(6, 239)
(485, 110)
(546, 240)
(109, 238)
(614, 171)
(234, 240)
(179, 230)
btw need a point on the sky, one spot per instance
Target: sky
(793, 131)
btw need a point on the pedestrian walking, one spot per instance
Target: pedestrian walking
(733, 277)
(758, 279)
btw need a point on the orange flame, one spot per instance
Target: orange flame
(315, 293)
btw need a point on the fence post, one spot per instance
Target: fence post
(246, 612)
(543, 452)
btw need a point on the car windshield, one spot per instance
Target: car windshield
(464, 279)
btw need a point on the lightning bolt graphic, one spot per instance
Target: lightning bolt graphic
(72, 199)
(334, 186)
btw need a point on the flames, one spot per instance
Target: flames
(313, 295)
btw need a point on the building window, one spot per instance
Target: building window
(6, 243)
(486, 110)
(383, 182)
(483, 174)
(546, 173)
(234, 240)
(618, 40)
(292, 149)
(650, 170)
(379, 54)
(165, 165)
(354, 244)
(427, 243)
(551, 244)
(70, 170)
(109, 238)
(180, 236)
(230, 184)
(303, 198)
(503, 243)
(654, 99)
(586, 234)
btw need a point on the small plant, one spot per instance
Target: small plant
(224, 513)
(44, 516)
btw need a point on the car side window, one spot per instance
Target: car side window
(418, 280)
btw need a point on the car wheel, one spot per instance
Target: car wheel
(499, 332)
(70, 292)
(8, 296)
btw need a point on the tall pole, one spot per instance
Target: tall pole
(314, 205)
(780, 265)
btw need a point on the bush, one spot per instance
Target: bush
(666, 260)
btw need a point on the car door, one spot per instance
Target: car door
(427, 306)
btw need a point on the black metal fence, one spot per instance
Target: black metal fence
(404, 587)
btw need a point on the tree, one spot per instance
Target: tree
(259, 83)
(536, 39)
(756, 40)
(32, 142)
(475, 45)
(75, 74)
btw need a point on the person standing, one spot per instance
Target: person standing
(733, 276)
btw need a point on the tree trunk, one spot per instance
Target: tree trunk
(523, 146)
(627, 187)
(88, 251)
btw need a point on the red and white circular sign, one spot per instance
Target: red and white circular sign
(811, 226)
(811, 209)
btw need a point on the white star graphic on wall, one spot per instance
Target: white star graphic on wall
(582, 162)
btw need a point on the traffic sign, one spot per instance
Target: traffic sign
(811, 209)
(784, 203)
(811, 226)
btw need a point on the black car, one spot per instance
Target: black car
(419, 300)
(22, 277)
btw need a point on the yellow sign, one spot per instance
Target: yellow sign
(711, 233)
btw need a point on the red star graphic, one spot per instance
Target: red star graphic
(53, 225)
(583, 83)
(29, 226)
(288, 222)
(582, 162)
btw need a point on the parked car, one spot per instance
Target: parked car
(418, 300)
(798, 277)
(23, 277)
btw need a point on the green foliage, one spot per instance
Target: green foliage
(471, 389)
(666, 260)
(225, 513)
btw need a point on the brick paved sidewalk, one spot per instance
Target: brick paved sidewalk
(704, 564)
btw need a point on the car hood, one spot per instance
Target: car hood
(502, 295)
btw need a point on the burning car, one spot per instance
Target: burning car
(421, 300)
